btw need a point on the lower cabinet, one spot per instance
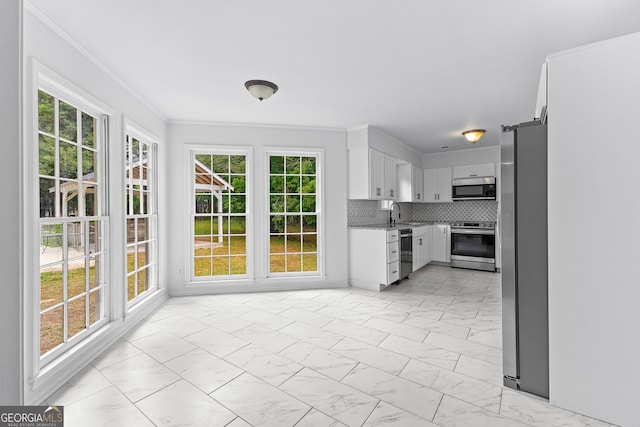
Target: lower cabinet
(441, 243)
(374, 258)
(422, 237)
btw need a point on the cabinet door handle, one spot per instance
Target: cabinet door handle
(394, 271)
(394, 252)
(474, 174)
(377, 191)
(391, 192)
(420, 242)
(418, 196)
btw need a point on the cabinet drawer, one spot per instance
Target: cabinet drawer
(393, 272)
(392, 236)
(393, 252)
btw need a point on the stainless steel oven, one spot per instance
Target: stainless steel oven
(473, 245)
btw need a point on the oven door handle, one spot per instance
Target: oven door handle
(470, 231)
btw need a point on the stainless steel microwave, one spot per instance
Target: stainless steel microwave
(474, 188)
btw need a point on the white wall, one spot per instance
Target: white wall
(49, 46)
(469, 156)
(11, 213)
(594, 230)
(182, 135)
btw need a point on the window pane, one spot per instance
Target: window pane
(220, 266)
(293, 224)
(96, 306)
(68, 122)
(77, 316)
(293, 165)
(88, 168)
(276, 184)
(309, 223)
(238, 225)
(308, 203)
(308, 165)
(46, 155)
(276, 244)
(46, 112)
(238, 183)
(276, 224)
(276, 203)
(237, 245)
(221, 245)
(293, 243)
(143, 229)
(50, 243)
(202, 246)
(51, 329)
(294, 262)
(309, 242)
(238, 264)
(309, 262)
(205, 159)
(51, 286)
(142, 255)
(47, 197)
(238, 164)
(220, 164)
(143, 280)
(131, 230)
(276, 164)
(88, 130)
(131, 286)
(308, 184)
(77, 282)
(202, 266)
(293, 203)
(202, 225)
(68, 160)
(95, 271)
(293, 184)
(276, 264)
(204, 203)
(238, 204)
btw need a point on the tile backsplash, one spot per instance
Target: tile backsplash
(363, 212)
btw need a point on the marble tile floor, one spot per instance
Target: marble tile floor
(425, 352)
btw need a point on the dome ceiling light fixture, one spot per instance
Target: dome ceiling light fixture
(261, 89)
(473, 135)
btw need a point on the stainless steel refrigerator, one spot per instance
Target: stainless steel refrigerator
(523, 217)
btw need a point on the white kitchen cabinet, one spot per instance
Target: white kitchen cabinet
(437, 185)
(390, 188)
(474, 171)
(410, 183)
(441, 243)
(421, 246)
(372, 174)
(374, 258)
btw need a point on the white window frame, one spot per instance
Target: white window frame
(57, 86)
(249, 196)
(152, 269)
(318, 153)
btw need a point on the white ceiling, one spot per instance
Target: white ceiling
(421, 70)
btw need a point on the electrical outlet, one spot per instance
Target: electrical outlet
(180, 270)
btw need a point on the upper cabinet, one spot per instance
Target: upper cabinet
(437, 185)
(410, 183)
(473, 171)
(390, 187)
(372, 175)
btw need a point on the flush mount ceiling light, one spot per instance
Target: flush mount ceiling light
(473, 135)
(261, 89)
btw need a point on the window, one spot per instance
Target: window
(72, 223)
(141, 196)
(219, 214)
(294, 213)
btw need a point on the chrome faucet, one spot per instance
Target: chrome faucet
(391, 220)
